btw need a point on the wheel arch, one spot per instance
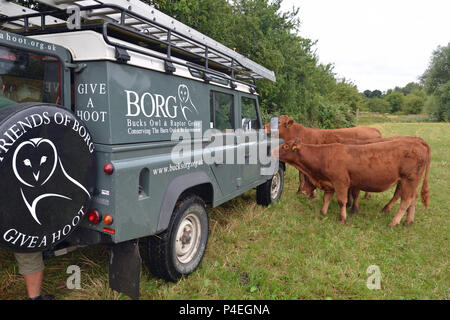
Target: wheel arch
(198, 183)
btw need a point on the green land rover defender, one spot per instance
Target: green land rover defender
(120, 125)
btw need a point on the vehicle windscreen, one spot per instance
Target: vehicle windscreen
(28, 77)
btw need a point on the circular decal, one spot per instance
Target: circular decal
(47, 175)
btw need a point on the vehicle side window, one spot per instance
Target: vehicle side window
(222, 110)
(28, 77)
(249, 116)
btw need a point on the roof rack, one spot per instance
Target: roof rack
(9, 9)
(157, 30)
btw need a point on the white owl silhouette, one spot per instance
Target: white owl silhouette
(185, 100)
(34, 162)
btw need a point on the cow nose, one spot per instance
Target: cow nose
(274, 153)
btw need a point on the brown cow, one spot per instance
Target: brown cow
(288, 130)
(307, 187)
(371, 167)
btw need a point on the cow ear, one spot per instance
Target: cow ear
(289, 123)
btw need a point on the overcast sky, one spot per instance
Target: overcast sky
(375, 44)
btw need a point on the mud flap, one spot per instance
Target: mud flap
(125, 268)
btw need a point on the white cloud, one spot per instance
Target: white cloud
(376, 44)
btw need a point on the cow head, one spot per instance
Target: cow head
(284, 123)
(287, 152)
(286, 128)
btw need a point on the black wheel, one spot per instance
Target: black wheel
(271, 190)
(179, 250)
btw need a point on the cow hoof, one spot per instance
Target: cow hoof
(393, 224)
(341, 221)
(385, 210)
(408, 223)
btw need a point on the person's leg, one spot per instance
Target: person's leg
(33, 282)
(31, 266)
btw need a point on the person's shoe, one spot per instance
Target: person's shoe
(43, 297)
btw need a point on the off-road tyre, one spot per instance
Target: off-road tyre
(271, 190)
(165, 258)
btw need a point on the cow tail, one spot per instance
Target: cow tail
(425, 192)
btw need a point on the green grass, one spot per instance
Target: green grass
(289, 251)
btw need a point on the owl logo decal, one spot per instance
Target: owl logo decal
(48, 175)
(34, 163)
(186, 104)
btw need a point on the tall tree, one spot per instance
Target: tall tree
(438, 72)
(437, 82)
(376, 94)
(347, 94)
(410, 87)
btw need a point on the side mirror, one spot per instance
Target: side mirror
(274, 124)
(246, 124)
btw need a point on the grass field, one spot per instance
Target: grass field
(368, 118)
(289, 251)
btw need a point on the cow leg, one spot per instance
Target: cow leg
(327, 196)
(411, 212)
(404, 204)
(355, 195)
(407, 197)
(394, 199)
(311, 188)
(313, 195)
(342, 196)
(300, 182)
(349, 198)
(367, 196)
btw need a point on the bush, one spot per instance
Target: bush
(439, 104)
(414, 104)
(332, 116)
(396, 101)
(378, 105)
